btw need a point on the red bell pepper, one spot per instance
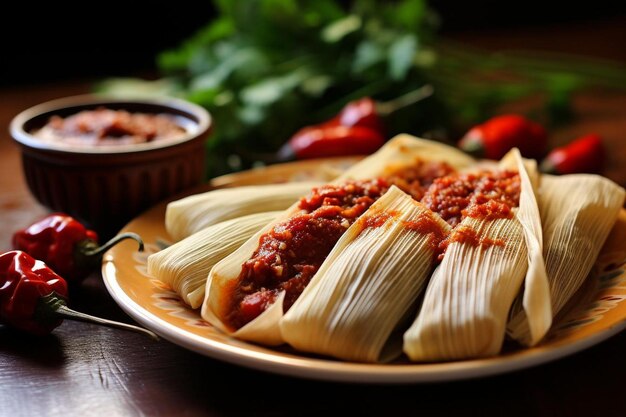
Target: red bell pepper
(585, 154)
(33, 297)
(65, 245)
(495, 137)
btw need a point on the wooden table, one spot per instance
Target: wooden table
(83, 369)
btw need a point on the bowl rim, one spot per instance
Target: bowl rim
(20, 135)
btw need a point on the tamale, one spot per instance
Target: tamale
(466, 303)
(188, 215)
(185, 265)
(577, 214)
(228, 276)
(368, 283)
(535, 298)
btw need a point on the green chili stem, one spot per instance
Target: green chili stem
(412, 97)
(100, 250)
(67, 313)
(51, 308)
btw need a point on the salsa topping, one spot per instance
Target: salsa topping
(417, 177)
(375, 220)
(425, 224)
(486, 195)
(104, 126)
(291, 253)
(465, 234)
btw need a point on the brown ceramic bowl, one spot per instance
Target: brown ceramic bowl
(107, 186)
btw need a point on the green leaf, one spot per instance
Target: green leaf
(401, 56)
(240, 59)
(339, 29)
(368, 54)
(316, 85)
(271, 89)
(252, 115)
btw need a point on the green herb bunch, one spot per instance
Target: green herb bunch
(266, 68)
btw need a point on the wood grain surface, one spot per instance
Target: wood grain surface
(85, 370)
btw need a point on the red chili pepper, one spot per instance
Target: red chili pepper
(357, 129)
(585, 154)
(495, 137)
(65, 245)
(33, 297)
(327, 141)
(362, 112)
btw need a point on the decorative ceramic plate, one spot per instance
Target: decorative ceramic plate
(597, 312)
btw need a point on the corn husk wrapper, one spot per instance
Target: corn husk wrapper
(367, 285)
(578, 212)
(185, 265)
(535, 298)
(191, 214)
(468, 298)
(400, 151)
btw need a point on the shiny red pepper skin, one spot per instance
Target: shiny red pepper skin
(24, 282)
(66, 245)
(361, 112)
(495, 137)
(33, 298)
(55, 240)
(583, 155)
(328, 141)
(356, 130)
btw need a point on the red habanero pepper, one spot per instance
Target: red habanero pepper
(33, 297)
(65, 245)
(495, 137)
(585, 154)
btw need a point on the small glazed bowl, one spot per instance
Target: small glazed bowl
(107, 186)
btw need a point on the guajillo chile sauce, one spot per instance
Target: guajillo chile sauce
(456, 196)
(291, 253)
(486, 196)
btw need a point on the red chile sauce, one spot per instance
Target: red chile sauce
(465, 234)
(425, 224)
(456, 196)
(488, 196)
(375, 220)
(290, 254)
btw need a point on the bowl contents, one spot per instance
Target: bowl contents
(104, 126)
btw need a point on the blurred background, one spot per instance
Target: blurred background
(54, 42)
(269, 74)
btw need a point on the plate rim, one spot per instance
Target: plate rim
(337, 371)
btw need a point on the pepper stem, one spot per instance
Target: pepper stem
(114, 241)
(52, 307)
(67, 313)
(412, 97)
